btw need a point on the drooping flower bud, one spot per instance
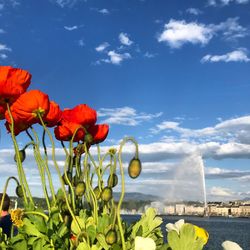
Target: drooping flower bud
(112, 180)
(111, 237)
(80, 188)
(22, 155)
(107, 194)
(19, 191)
(134, 168)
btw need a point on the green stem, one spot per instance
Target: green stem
(59, 172)
(92, 193)
(5, 189)
(40, 164)
(21, 174)
(37, 213)
(125, 140)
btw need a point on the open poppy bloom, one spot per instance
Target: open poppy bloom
(29, 106)
(2, 111)
(18, 127)
(65, 131)
(99, 132)
(54, 115)
(13, 83)
(81, 114)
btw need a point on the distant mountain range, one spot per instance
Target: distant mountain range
(137, 197)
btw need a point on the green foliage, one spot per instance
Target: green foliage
(186, 240)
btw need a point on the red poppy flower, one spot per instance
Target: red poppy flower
(18, 127)
(54, 115)
(81, 114)
(2, 111)
(99, 132)
(13, 83)
(28, 106)
(65, 131)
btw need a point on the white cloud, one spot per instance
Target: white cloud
(177, 33)
(194, 11)
(116, 58)
(71, 28)
(102, 47)
(104, 11)
(238, 55)
(3, 56)
(235, 129)
(124, 39)
(219, 191)
(3, 47)
(149, 55)
(125, 116)
(81, 43)
(225, 2)
(2, 31)
(1, 6)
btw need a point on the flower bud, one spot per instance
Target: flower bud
(97, 192)
(80, 188)
(134, 168)
(88, 138)
(111, 237)
(19, 191)
(112, 180)
(107, 194)
(22, 155)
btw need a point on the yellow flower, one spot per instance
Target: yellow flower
(16, 217)
(201, 233)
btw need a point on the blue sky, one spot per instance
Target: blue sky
(173, 74)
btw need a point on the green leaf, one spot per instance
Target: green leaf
(30, 228)
(103, 223)
(74, 228)
(186, 240)
(149, 222)
(18, 242)
(102, 241)
(83, 246)
(91, 232)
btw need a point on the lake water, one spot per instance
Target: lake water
(219, 229)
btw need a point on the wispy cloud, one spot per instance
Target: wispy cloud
(1, 6)
(71, 28)
(66, 3)
(194, 11)
(104, 11)
(125, 116)
(124, 39)
(239, 55)
(230, 29)
(81, 43)
(102, 47)
(2, 31)
(225, 2)
(150, 55)
(176, 33)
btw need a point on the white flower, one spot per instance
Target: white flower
(142, 243)
(177, 226)
(230, 245)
